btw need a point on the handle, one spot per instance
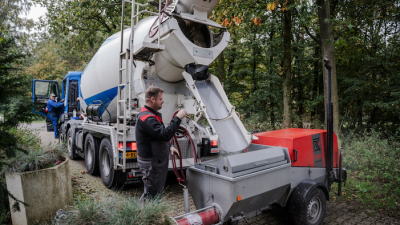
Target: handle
(260, 163)
(295, 153)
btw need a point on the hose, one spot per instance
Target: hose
(181, 176)
(162, 17)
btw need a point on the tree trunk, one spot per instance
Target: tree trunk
(271, 100)
(287, 72)
(315, 94)
(328, 51)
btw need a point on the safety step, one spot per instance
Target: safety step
(144, 50)
(121, 100)
(120, 133)
(123, 68)
(121, 84)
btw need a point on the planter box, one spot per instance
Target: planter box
(45, 191)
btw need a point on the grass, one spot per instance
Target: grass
(373, 165)
(109, 209)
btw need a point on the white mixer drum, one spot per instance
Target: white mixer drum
(100, 77)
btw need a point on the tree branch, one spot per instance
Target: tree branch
(312, 36)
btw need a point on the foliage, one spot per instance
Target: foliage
(27, 139)
(115, 210)
(10, 11)
(15, 104)
(373, 164)
(35, 159)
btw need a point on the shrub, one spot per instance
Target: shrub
(125, 210)
(35, 159)
(373, 163)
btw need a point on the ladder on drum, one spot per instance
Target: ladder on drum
(126, 57)
(171, 8)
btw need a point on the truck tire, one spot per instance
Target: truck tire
(70, 147)
(312, 212)
(91, 155)
(106, 158)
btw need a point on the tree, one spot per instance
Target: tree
(287, 66)
(15, 103)
(328, 51)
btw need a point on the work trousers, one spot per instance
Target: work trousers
(154, 176)
(54, 121)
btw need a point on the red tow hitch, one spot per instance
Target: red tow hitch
(208, 217)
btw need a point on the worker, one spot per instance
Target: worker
(152, 141)
(52, 112)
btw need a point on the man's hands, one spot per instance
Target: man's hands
(182, 113)
(63, 100)
(174, 151)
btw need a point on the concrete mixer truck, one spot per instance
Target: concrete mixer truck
(231, 174)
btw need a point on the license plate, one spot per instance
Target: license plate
(129, 155)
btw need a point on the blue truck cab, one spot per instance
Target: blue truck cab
(41, 90)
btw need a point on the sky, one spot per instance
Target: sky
(35, 13)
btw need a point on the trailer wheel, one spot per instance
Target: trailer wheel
(108, 175)
(313, 210)
(91, 155)
(70, 147)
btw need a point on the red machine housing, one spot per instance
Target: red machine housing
(307, 147)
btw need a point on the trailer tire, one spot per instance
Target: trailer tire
(70, 146)
(312, 212)
(91, 155)
(106, 158)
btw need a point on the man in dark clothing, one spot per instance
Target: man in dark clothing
(52, 106)
(152, 141)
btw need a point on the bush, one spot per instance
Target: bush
(35, 160)
(373, 163)
(26, 138)
(115, 210)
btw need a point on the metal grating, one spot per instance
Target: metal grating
(132, 165)
(186, 149)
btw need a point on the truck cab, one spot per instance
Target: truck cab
(41, 90)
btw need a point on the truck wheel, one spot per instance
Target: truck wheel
(313, 210)
(70, 147)
(108, 175)
(91, 155)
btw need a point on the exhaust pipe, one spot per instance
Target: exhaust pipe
(329, 130)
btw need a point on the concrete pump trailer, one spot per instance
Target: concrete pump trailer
(231, 174)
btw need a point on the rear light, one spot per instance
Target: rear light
(130, 176)
(129, 146)
(214, 143)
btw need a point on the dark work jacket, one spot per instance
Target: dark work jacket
(152, 137)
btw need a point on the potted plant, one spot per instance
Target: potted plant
(41, 180)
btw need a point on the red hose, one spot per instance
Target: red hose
(181, 176)
(162, 17)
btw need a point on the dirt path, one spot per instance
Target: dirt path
(336, 213)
